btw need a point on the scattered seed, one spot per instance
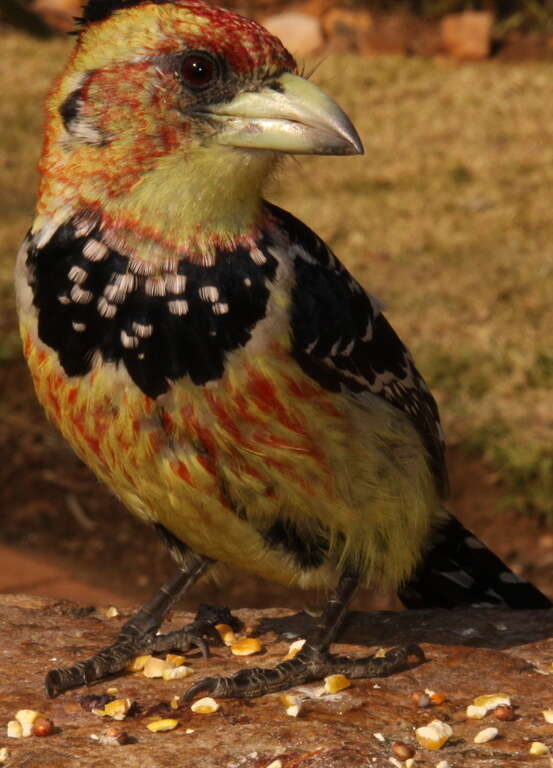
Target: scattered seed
(421, 699)
(484, 704)
(292, 704)
(442, 764)
(205, 706)
(505, 713)
(548, 715)
(138, 664)
(379, 737)
(168, 724)
(175, 702)
(486, 734)
(438, 698)
(42, 726)
(227, 633)
(4, 754)
(177, 673)
(155, 667)
(395, 762)
(380, 654)
(434, 735)
(112, 690)
(26, 718)
(335, 683)
(275, 764)
(246, 646)
(113, 737)
(14, 730)
(189, 730)
(112, 612)
(401, 750)
(410, 762)
(175, 659)
(538, 748)
(294, 649)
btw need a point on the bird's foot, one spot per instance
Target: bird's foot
(310, 664)
(138, 636)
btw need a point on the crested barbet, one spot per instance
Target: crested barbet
(207, 355)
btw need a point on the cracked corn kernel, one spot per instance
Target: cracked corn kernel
(294, 649)
(380, 654)
(3, 754)
(246, 646)
(112, 612)
(205, 706)
(548, 715)
(292, 704)
(177, 673)
(484, 704)
(137, 664)
(155, 667)
(442, 764)
(335, 683)
(538, 748)
(26, 718)
(410, 762)
(227, 633)
(168, 724)
(175, 702)
(175, 659)
(14, 730)
(116, 709)
(486, 734)
(275, 764)
(434, 735)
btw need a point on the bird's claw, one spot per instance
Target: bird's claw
(309, 665)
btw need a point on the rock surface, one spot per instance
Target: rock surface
(469, 653)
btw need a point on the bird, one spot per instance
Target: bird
(208, 356)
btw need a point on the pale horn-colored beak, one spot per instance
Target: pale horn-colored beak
(294, 117)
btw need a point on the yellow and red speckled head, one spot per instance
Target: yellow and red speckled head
(127, 27)
(122, 136)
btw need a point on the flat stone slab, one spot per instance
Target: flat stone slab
(469, 653)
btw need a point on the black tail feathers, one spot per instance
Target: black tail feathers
(458, 570)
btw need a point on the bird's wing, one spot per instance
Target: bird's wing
(341, 339)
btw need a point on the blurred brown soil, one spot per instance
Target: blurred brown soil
(65, 535)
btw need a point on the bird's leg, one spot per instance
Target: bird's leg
(313, 662)
(138, 635)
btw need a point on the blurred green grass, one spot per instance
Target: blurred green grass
(447, 218)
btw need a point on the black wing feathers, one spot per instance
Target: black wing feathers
(341, 339)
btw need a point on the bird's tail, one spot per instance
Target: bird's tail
(458, 570)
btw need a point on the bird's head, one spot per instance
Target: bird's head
(169, 117)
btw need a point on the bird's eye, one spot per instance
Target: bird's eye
(198, 70)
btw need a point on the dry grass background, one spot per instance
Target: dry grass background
(447, 218)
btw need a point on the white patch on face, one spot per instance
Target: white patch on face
(79, 327)
(247, 282)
